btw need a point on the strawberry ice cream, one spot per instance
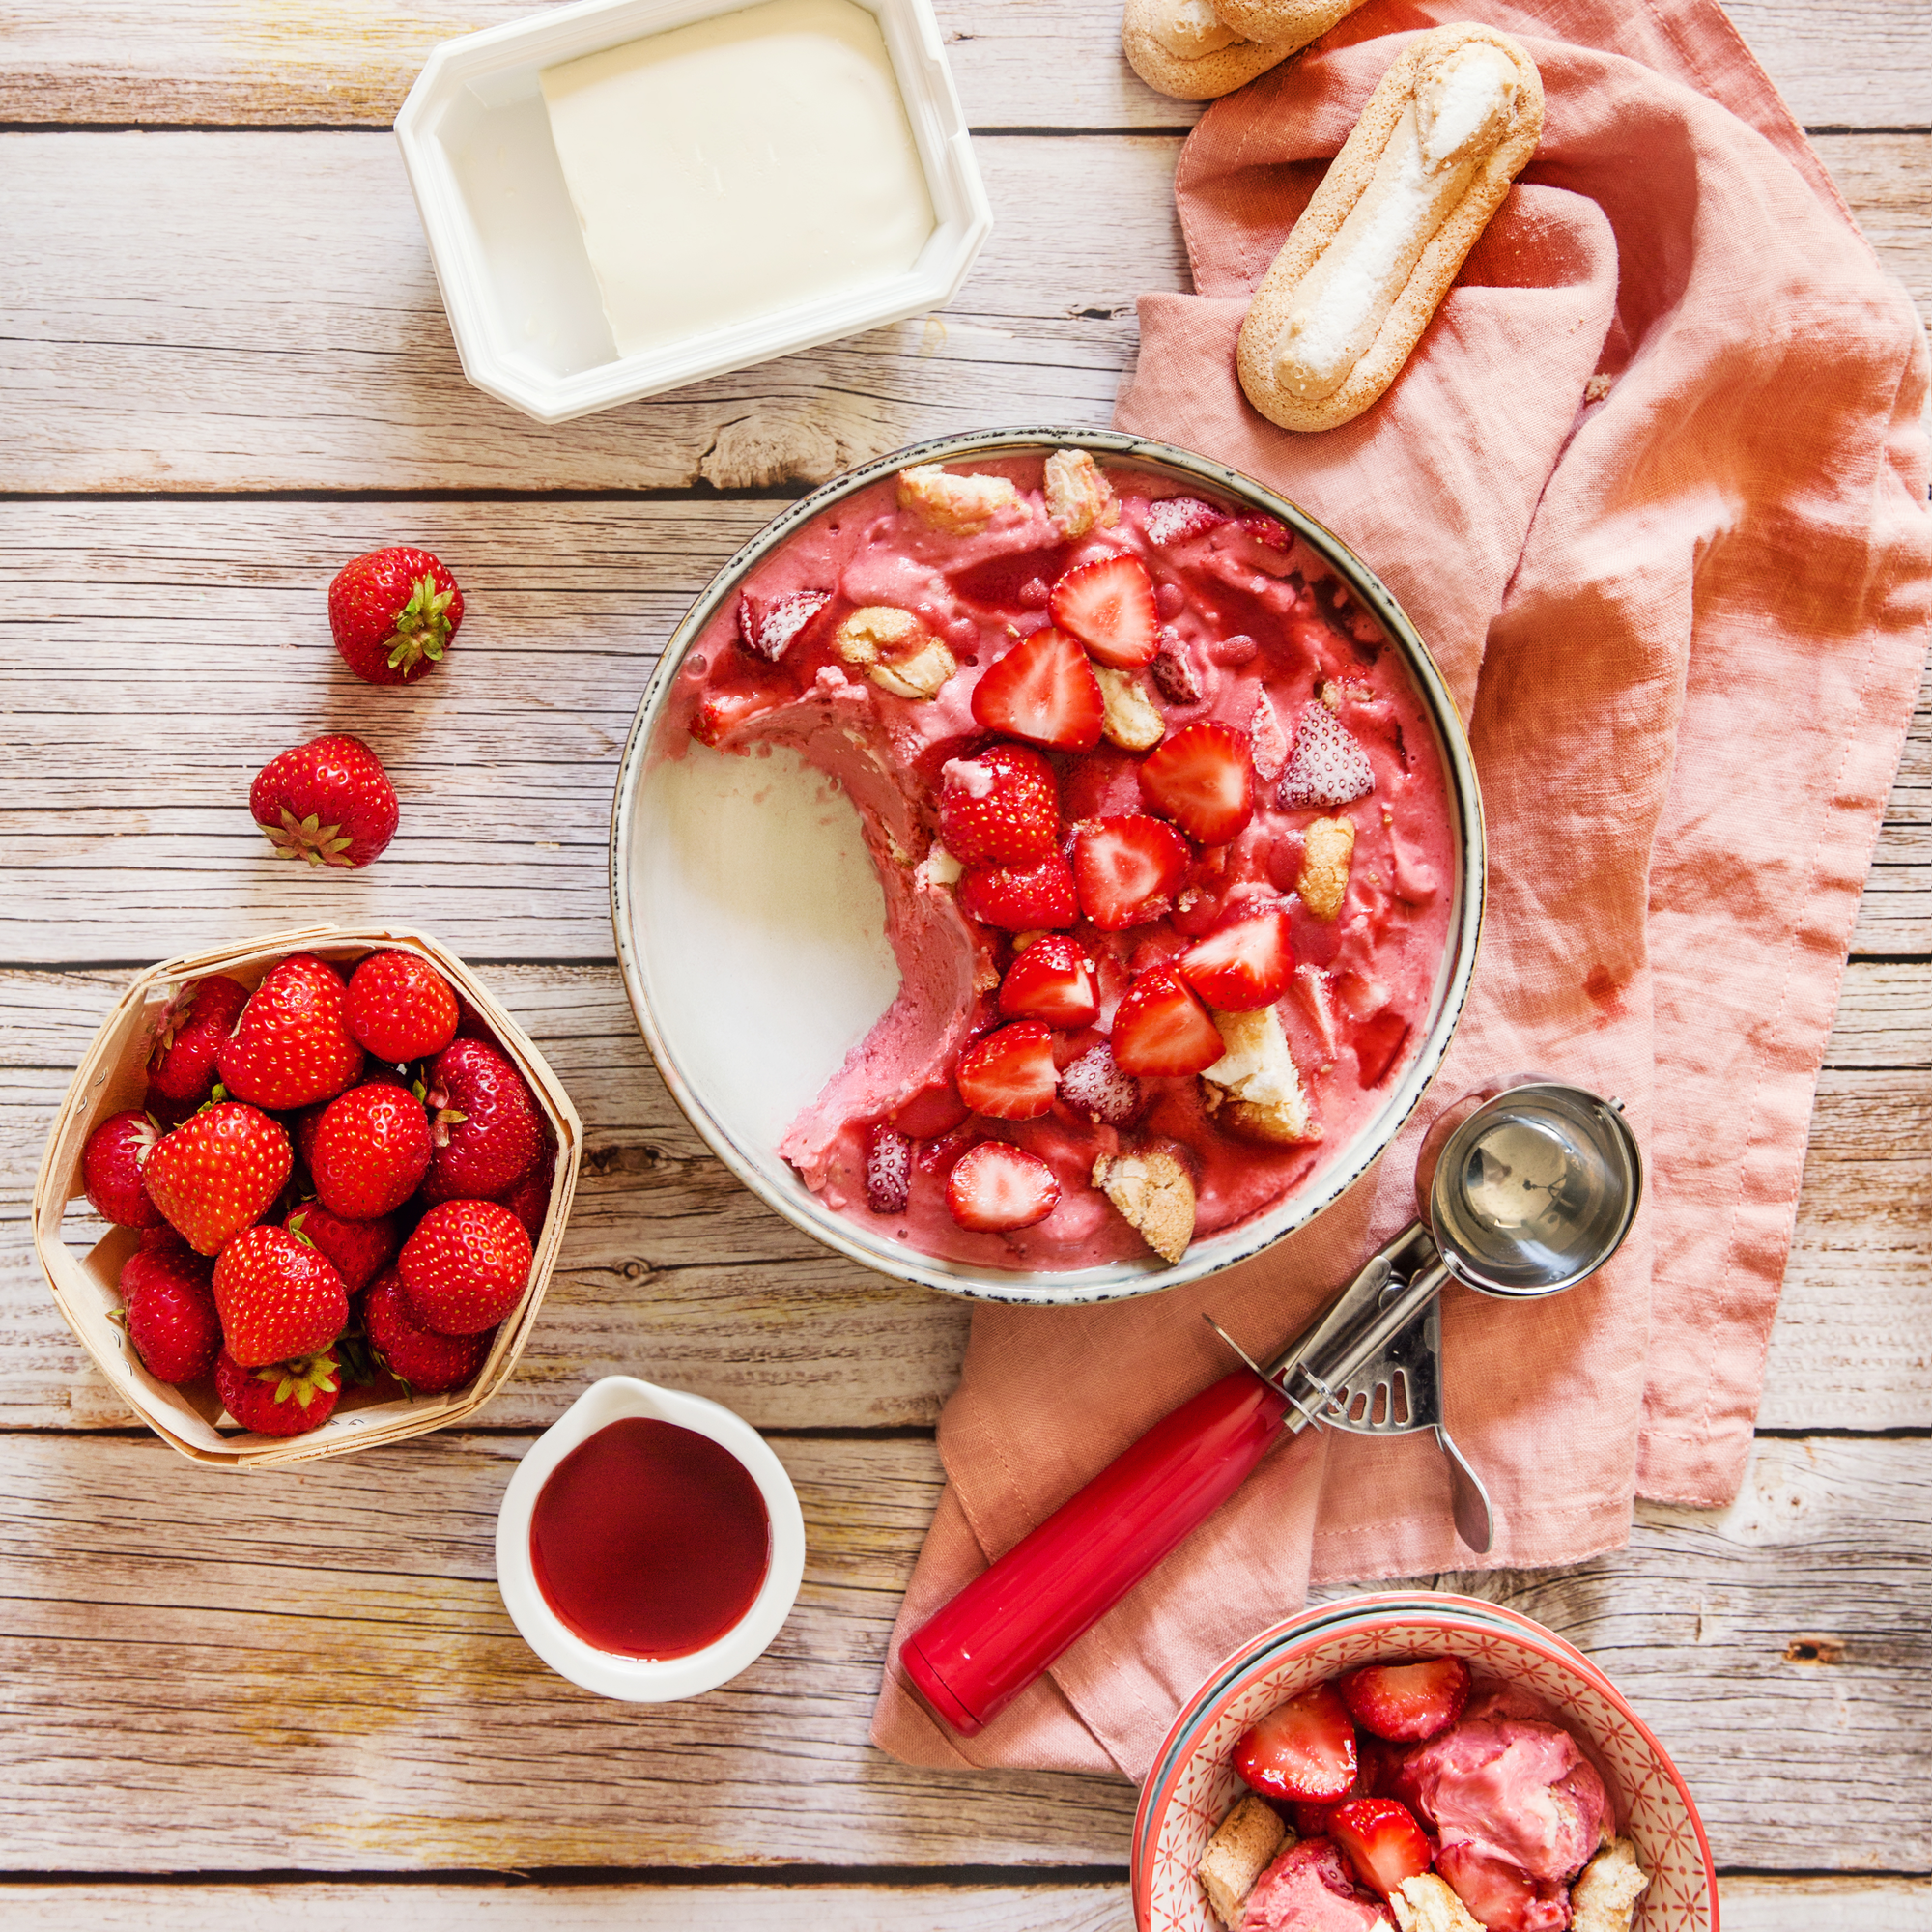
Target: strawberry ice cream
(1309, 1889)
(1066, 702)
(1516, 1807)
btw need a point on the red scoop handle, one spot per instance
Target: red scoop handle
(973, 1658)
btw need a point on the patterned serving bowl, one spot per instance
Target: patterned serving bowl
(1193, 1785)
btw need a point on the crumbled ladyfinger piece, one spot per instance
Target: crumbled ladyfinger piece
(1128, 717)
(1254, 1088)
(964, 505)
(1077, 496)
(1325, 858)
(1425, 1903)
(1238, 1853)
(1603, 1898)
(895, 651)
(1155, 1194)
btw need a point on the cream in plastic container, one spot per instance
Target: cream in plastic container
(585, 265)
(760, 156)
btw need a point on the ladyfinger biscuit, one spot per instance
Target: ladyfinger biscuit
(1448, 128)
(1179, 48)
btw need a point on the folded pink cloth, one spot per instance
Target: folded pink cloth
(1684, 619)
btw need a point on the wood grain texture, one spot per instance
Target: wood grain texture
(673, 1269)
(1017, 63)
(323, 1678)
(1753, 1904)
(155, 343)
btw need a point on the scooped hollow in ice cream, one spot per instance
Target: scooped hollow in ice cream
(1309, 1889)
(1517, 1806)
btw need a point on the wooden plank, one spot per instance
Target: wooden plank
(1017, 63)
(791, 1907)
(312, 1670)
(1753, 1904)
(674, 1270)
(155, 347)
(195, 631)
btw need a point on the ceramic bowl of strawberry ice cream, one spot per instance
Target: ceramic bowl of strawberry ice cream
(1481, 1773)
(1047, 865)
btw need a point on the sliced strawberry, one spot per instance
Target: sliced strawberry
(1127, 868)
(1172, 669)
(1377, 1042)
(723, 711)
(1268, 530)
(1010, 1074)
(1175, 519)
(1301, 1750)
(1109, 606)
(1248, 963)
(1039, 898)
(994, 1188)
(1328, 767)
(1096, 1089)
(1161, 1028)
(1407, 1702)
(769, 626)
(1051, 980)
(1044, 690)
(1202, 778)
(1382, 1840)
(1000, 809)
(935, 1109)
(888, 1171)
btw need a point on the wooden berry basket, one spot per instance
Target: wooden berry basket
(113, 1076)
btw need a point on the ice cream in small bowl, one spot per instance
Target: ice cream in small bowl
(1423, 1762)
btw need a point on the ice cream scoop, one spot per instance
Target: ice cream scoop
(1523, 1188)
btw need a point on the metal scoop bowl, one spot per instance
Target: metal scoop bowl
(1522, 1189)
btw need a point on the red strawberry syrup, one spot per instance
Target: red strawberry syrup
(650, 1540)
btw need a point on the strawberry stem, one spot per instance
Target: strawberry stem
(422, 626)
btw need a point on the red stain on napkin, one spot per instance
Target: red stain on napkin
(1652, 487)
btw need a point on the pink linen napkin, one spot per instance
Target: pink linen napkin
(1654, 489)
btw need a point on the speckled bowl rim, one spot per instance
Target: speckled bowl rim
(1124, 1280)
(1324, 1624)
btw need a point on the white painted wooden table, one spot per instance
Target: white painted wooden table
(225, 370)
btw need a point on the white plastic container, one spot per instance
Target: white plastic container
(509, 256)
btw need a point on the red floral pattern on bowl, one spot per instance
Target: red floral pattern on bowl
(1194, 1785)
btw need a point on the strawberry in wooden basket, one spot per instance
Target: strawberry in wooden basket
(292, 1045)
(483, 1121)
(393, 613)
(279, 1298)
(197, 1020)
(358, 1250)
(370, 1150)
(217, 1172)
(464, 1268)
(170, 1311)
(423, 1361)
(330, 801)
(401, 1008)
(111, 1167)
(282, 1398)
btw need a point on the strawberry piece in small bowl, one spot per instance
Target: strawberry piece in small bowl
(1382, 1840)
(1304, 1749)
(1407, 1703)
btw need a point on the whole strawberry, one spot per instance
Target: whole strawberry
(171, 1318)
(370, 1150)
(330, 801)
(283, 1398)
(527, 1197)
(278, 1297)
(423, 1361)
(464, 1268)
(292, 1045)
(400, 1007)
(357, 1250)
(393, 612)
(112, 1165)
(485, 1127)
(197, 1020)
(219, 1173)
